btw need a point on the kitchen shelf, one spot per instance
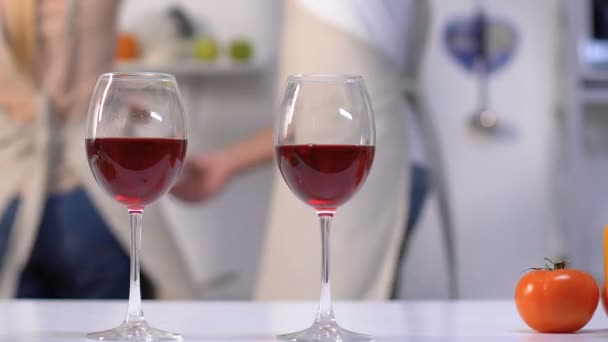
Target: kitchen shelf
(192, 68)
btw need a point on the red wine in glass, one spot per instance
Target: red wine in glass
(136, 171)
(135, 141)
(324, 176)
(324, 140)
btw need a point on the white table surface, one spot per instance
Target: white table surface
(238, 321)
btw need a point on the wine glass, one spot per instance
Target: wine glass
(324, 145)
(135, 144)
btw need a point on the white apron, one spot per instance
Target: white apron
(24, 173)
(368, 230)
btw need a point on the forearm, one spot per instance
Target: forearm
(17, 92)
(251, 152)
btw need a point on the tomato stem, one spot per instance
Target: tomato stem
(560, 265)
(550, 265)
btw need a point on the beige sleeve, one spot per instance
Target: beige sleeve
(70, 81)
(95, 51)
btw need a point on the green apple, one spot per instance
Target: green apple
(206, 49)
(241, 50)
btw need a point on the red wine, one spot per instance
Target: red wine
(324, 176)
(136, 171)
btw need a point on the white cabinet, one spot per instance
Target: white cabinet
(584, 103)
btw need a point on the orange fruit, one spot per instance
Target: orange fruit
(604, 288)
(126, 46)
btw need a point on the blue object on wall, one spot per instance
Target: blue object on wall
(464, 38)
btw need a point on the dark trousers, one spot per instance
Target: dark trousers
(75, 254)
(418, 191)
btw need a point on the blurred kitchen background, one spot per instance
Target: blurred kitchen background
(226, 101)
(523, 181)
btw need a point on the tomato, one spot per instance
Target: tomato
(556, 300)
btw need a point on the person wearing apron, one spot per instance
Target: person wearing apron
(60, 236)
(373, 39)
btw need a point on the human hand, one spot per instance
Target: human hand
(203, 177)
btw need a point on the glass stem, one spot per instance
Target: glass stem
(326, 313)
(134, 312)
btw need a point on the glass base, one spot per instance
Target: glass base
(325, 332)
(134, 331)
